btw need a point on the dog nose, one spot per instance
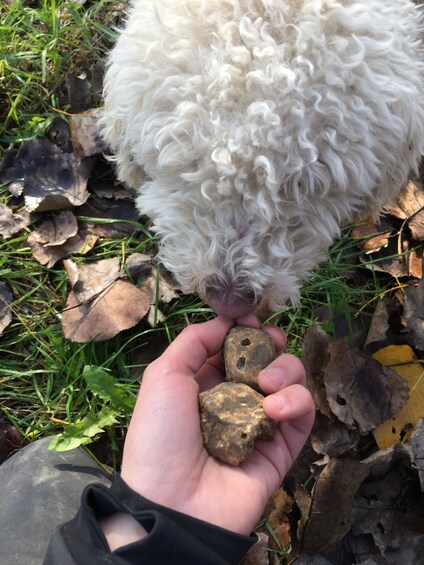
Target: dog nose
(231, 305)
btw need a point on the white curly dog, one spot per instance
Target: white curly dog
(262, 127)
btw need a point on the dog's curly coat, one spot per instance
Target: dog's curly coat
(263, 125)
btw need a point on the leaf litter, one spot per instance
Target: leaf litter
(356, 492)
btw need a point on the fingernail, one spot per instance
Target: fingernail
(276, 375)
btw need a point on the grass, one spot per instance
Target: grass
(41, 42)
(42, 387)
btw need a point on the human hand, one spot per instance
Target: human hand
(164, 458)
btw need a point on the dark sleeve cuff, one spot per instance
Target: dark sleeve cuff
(174, 538)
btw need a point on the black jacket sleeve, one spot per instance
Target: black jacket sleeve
(173, 538)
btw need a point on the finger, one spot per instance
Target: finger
(278, 335)
(284, 371)
(195, 344)
(291, 403)
(249, 321)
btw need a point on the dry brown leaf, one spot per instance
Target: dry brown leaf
(110, 190)
(409, 206)
(332, 502)
(258, 553)
(331, 437)
(11, 223)
(387, 259)
(84, 86)
(416, 449)
(379, 326)
(370, 236)
(117, 308)
(48, 255)
(413, 314)
(399, 428)
(48, 178)
(162, 290)
(57, 230)
(138, 264)
(277, 512)
(85, 133)
(123, 211)
(361, 391)
(10, 440)
(6, 299)
(415, 263)
(91, 279)
(315, 357)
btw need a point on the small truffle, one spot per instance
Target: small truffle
(246, 352)
(231, 419)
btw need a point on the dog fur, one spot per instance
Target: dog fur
(262, 127)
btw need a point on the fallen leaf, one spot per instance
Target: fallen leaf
(331, 506)
(89, 280)
(83, 87)
(159, 287)
(57, 230)
(11, 223)
(387, 259)
(59, 133)
(413, 314)
(409, 206)
(48, 178)
(258, 553)
(331, 437)
(377, 332)
(416, 449)
(399, 428)
(361, 391)
(111, 190)
(10, 440)
(370, 236)
(6, 299)
(277, 512)
(117, 308)
(138, 264)
(48, 255)
(111, 219)
(315, 357)
(85, 136)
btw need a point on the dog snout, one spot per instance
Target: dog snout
(230, 302)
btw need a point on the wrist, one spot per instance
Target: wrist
(121, 529)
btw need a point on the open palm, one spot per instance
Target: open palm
(164, 458)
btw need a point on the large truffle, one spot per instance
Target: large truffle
(232, 418)
(246, 352)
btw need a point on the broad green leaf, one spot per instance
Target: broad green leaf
(84, 431)
(105, 385)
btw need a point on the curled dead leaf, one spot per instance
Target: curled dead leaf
(331, 506)
(48, 178)
(48, 254)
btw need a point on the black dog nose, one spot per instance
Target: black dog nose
(230, 304)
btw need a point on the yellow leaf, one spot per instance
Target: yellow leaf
(398, 429)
